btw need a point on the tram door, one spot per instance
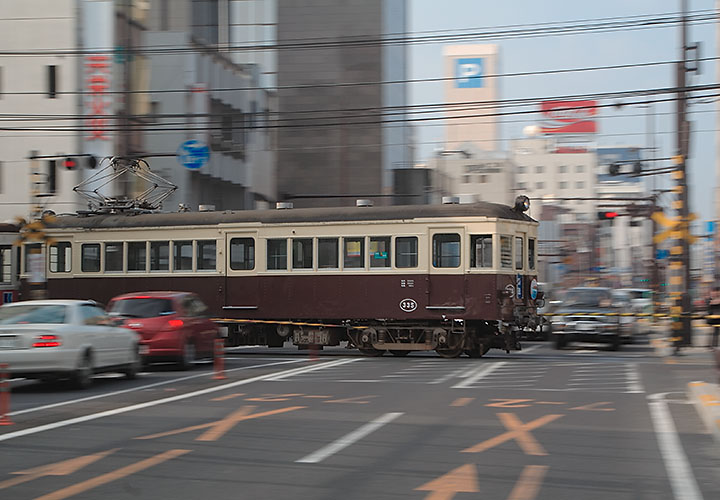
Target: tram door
(241, 272)
(446, 279)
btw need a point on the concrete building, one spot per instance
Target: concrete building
(44, 86)
(472, 174)
(471, 93)
(335, 142)
(566, 179)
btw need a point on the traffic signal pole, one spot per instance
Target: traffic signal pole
(680, 263)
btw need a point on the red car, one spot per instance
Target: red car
(172, 325)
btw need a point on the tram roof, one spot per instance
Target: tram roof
(294, 215)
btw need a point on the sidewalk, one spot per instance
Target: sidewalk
(705, 394)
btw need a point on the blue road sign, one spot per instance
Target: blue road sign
(193, 154)
(662, 254)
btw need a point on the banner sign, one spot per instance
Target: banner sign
(568, 117)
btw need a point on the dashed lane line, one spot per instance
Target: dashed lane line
(125, 409)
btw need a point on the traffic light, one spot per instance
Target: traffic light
(607, 215)
(70, 163)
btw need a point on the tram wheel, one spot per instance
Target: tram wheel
(451, 352)
(371, 351)
(399, 354)
(478, 351)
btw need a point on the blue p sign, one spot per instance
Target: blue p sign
(468, 72)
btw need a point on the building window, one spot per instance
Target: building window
(205, 20)
(159, 255)
(506, 252)
(242, 254)
(519, 257)
(562, 169)
(52, 81)
(579, 185)
(182, 255)
(466, 179)
(90, 257)
(562, 184)
(482, 179)
(302, 256)
(539, 169)
(481, 253)
(137, 256)
(277, 254)
(1, 177)
(353, 252)
(522, 185)
(114, 256)
(521, 169)
(531, 254)
(164, 15)
(580, 169)
(446, 250)
(540, 185)
(380, 251)
(328, 253)
(406, 251)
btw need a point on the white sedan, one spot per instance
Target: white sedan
(48, 339)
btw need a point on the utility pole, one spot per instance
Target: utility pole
(680, 263)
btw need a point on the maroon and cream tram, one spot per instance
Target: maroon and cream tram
(452, 278)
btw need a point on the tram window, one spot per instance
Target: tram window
(31, 262)
(328, 253)
(90, 257)
(5, 264)
(277, 254)
(60, 257)
(137, 256)
(353, 252)
(519, 254)
(242, 254)
(114, 256)
(207, 255)
(302, 253)
(182, 255)
(481, 251)
(159, 255)
(380, 251)
(406, 251)
(531, 253)
(506, 252)
(446, 250)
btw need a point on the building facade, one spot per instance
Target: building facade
(337, 139)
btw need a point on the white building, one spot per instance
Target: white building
(35, 89)
(472, 174)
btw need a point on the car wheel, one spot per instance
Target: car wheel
(82, 378)
(133, 368)
(187, 358)
(560, 341)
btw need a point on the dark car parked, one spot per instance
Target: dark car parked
(587, 315)
(173, 326)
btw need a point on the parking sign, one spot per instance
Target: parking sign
(469, 72)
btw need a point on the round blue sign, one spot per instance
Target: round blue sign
(193, 154)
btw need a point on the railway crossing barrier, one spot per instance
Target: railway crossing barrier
(4, 395)
(219, 360)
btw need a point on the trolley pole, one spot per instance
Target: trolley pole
(680, 264)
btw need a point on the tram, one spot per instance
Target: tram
(453, 278)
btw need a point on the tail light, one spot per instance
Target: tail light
(175, 323)
(47, 341)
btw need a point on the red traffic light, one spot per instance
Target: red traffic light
(70, 163)
(607, 215)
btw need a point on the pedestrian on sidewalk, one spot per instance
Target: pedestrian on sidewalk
(714, 310)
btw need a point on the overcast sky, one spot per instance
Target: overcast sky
(626, 126)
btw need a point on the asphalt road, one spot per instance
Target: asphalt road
(536, 424)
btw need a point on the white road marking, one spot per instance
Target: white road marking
(358, 380)
(140, 388)
(284, 375)
(680, 473)
(456, 373)
(480, 373)
(179, 397)
(349, 439)
(531, 348)
(633, 380)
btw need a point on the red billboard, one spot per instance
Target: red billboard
(568, 117)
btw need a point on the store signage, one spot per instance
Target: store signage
(568, 117)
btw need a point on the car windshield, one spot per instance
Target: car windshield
(587, 297)
(32, 314)
(142, 307)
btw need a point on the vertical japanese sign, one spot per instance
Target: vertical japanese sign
(96, 82)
